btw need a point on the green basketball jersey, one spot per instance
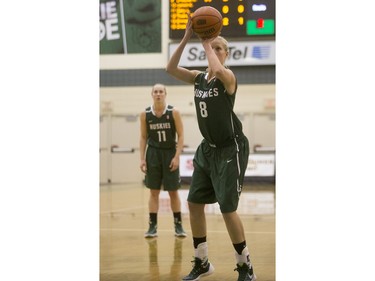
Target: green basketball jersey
(217, 122)
(161, 131)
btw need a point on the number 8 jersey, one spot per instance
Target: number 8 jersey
(217, 122)
(161, 131)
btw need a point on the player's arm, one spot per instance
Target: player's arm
(143, 142)
(173, 68)
(180, 141)
(219, 70)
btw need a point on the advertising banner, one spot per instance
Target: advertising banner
(186, 165)
(259, 165)
(240, 53)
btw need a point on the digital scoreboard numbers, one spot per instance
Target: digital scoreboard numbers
(241, 18)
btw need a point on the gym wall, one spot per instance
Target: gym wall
(119, 123)
(125, 91)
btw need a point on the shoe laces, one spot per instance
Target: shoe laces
(196, 264)
(242, 270)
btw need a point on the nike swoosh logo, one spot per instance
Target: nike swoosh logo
(229, 160)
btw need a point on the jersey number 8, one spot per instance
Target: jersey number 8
(203, 108)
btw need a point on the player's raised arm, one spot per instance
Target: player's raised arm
(173, 68)
(217, 52)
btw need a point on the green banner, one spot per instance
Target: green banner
(130, 26)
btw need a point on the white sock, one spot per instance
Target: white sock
(201, 251)
(244, 257)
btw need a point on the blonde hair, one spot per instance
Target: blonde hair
(159, 85)
(224, 42)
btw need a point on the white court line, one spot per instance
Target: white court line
(169, 230)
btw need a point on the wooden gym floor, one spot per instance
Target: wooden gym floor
(127, 256)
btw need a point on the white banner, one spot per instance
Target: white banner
(240, 53)
(262, 165)
(186, 165)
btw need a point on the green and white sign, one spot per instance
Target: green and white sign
(129, 26)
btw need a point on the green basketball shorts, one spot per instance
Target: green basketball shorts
(158, 171)
(219, 173)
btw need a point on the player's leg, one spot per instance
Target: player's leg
(153, 206)
(201, 264)
(234, 226)
(201, 192)
(153, 202)
(233, 172)
(237, 235)
(175, 201)
(197, 220)
(172, 183)
(153, 183)
(176, 209)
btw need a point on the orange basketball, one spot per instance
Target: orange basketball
(207, 22)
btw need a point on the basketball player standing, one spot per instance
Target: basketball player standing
(221, 159)
(160, 156)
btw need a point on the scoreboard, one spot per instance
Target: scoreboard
(241, 18)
